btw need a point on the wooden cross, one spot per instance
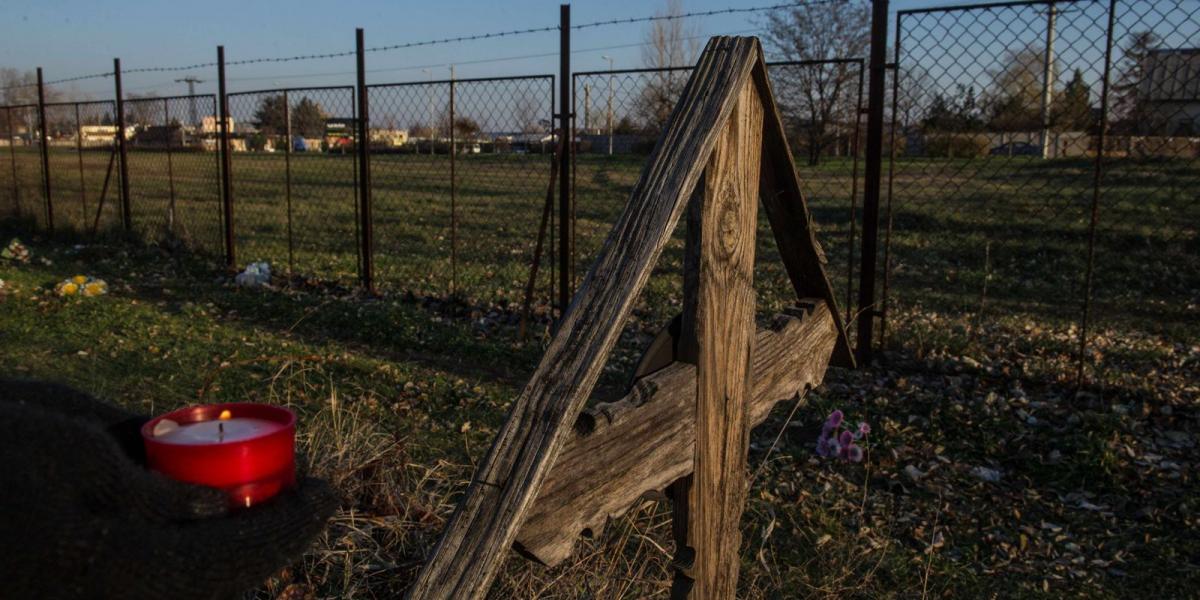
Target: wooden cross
(555, 470)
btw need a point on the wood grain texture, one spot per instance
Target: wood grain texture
(486, 522)
(645, 441)
(791, 222)
(724, 331)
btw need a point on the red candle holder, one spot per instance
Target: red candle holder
(254, 462)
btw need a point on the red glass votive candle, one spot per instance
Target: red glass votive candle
(247, 450)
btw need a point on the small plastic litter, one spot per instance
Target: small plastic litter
(15, 251)
(257, 274)
(986, 474)
(81, 285)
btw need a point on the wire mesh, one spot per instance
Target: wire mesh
(1147, 254)
(992, 174)
(174, 183)
(83, 165)
(456, 207)
(619, 115)
(294, 180)
(997, 125)
(23, 173)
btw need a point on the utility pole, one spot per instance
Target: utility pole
(192, 81)
(1048, 79)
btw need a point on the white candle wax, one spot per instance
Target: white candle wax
(213, 432)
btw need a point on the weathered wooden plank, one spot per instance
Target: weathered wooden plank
(724, 327)
(487, 520)
(791, 222)
(646, 440)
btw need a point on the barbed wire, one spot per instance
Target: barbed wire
(449, 40)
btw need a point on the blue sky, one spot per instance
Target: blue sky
(76, 37)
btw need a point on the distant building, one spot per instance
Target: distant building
(210, 125)
(1171, 90)
(102, 134)
(389, 137)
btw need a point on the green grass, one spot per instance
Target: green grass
(400, 395)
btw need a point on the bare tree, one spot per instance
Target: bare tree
(670, 42)
(818, 99)
(20, 88)
(527, 114)
(1132, 109)
(139, 112)
(1013, 102)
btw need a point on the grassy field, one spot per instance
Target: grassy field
(400, 395)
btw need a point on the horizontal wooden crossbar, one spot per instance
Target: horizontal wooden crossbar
(644, 441)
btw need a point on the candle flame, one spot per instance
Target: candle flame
(247, 501)
(225, 415)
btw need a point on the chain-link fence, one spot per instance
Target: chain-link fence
(81, 139)
(459, 173)
(23, 178)
(1043, 167)
(1009, 165)
(294, 176)
(618, 117)
(174, 181)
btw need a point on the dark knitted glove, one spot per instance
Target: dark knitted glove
(81, 517)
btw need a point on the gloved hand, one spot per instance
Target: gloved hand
(81, 517)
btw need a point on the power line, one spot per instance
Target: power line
(449, 40)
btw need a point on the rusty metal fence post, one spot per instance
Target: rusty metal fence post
(126, 215)
(226, 176)
(12, 155)
(41, 107)
(287, 177)
(855, 148)
(871, 182)
(565, 210)
(79, 156)
(364, 167)
(170, 170)
(453, 189)
(1097, 182)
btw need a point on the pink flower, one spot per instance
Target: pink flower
(835, 419)
(837, 442)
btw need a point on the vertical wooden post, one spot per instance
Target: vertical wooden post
(718, 332)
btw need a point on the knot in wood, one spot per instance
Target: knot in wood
(729, 217)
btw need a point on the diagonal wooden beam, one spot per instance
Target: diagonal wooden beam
(645, 441)
(487, 520)
(791, 222)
